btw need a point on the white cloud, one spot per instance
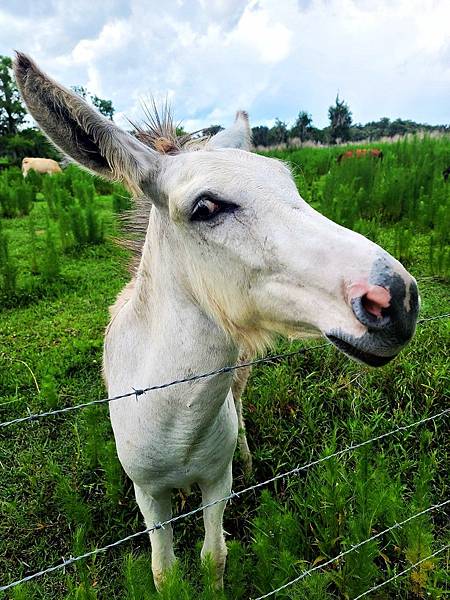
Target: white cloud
(388, 58)
(259, 30)
(114, 36)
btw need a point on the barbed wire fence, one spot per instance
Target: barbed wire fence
(161, 525)
(192, 378)
(234, 495)
(356, 548)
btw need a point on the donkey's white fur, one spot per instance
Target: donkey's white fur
(204, 290)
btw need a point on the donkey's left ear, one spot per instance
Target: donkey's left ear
(81, 132)
(239, 135)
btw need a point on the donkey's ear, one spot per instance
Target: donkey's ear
(80, 131)
(238, 135)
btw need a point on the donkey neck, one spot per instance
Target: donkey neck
(187, 339)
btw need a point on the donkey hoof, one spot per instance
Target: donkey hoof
(160, 579)
(218, 584)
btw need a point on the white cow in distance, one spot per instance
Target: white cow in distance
(40, 165)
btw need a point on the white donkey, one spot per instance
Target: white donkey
(232, 256)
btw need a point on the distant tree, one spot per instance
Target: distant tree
(180, 131)
(278, 134)
(340, 121)
(81, 91)
(27, 142)
(400, 127)
(302, 126)
(260, 135)
(105, 107)
(383, 126)
(319, 135)
(12, 111)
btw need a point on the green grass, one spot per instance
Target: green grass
(63, 492)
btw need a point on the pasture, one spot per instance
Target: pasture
(62, 489)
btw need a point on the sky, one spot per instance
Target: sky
(272, 58)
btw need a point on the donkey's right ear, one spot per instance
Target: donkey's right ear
(239, 135)
(80, 131)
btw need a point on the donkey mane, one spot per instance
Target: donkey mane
(158, 131)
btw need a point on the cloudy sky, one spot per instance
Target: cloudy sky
(272, 57)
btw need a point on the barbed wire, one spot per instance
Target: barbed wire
(352, 549)
(435, 318)
(397, 575)
(140, 392)
(163, 524)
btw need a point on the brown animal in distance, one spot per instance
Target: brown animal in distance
(359, 153)
(40, 165)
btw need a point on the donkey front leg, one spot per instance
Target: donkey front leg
(214, 544)
(155, 510)
(239, 382)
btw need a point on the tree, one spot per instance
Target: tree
(302, 126)
(278, 134)
(12, 111)
(81, 91)
(105, 107)
(340, 121)
(260, 135)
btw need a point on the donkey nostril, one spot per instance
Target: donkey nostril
(375, 299)
(371, 307)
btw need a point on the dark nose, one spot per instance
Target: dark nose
(390, 309)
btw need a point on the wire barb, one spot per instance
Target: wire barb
(352, 549)
(162, 386)
(410, 568)
(435, 318)
(228, 369)
(237, 494)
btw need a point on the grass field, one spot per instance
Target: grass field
(62, 491)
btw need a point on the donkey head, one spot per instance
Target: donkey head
(239, 238)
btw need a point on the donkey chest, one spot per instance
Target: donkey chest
(174, 451)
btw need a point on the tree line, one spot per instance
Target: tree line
(340, 129)
(18, 140)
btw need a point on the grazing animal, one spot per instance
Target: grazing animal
(40, 165)
(446, 173)
(359, 153)
(231, 257)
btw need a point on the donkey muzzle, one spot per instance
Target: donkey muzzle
(387, 304)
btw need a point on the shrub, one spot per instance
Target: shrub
(8, 270)
(34, 180)
(8, 205)
(83, 189)
(78, 225)
(50, 262)
(32, 231)
(24, 195)
(94, 226)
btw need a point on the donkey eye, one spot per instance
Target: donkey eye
(207, 208)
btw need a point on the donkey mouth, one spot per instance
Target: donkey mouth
(373, 360)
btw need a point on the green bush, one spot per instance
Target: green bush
(50, 260)
(34, 179)
(8, 270)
